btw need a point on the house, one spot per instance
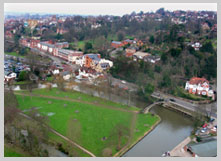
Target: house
(199, 86)
(202, 149)
(74, 55)
(8, 34)
(214, 28)
(88, 73)
(140, 55)
(62, 45)
(66, 75)
(61, 31)
(205, 26)
(140, 43)
(128, 41)
(9, 77)
(116, 44)
(196, 45)
(88, 59)
(102, 65)
(152, 58)
(44, 46)
(69, 55)
(130, 52)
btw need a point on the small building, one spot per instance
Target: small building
(61, 31)
(196, 45)
(116, 44)
(66, 75)
(88, 59)
(130, 52)
(62, 45)
(199, 86)
(152, 58)
(9, 77)
(69, 55)
(74, 55)
(140, 55)
(202, 149)
(205, 26)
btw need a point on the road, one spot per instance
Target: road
(204, 108)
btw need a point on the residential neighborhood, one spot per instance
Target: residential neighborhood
(96, 85)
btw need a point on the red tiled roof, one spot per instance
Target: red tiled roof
(197, 80)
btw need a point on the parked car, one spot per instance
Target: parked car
(211, 120)
(205, 125)
(172, 100)
(123, 82)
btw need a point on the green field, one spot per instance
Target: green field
(81, 96)
(14, 54)
(92, 121)
(11, 152)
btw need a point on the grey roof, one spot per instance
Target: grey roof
(205, 149)
(63, 51)
(61, 43)
(116, 42)
(93, 57)
(46, 44)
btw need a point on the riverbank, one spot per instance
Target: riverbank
(121, 153)
(178, 151)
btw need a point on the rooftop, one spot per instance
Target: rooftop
(197, 80)
(116, 42)
(204, 149)
(141, 54)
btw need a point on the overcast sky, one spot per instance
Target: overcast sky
(103, 9)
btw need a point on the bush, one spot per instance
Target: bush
(198, 139)
(23, 75)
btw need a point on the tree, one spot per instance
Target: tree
(175, 52)
(120, 36)
(23, 75)
(149, 89)
(121, 132)
(157, 69)
(10, 107)
(61, 83)
(151, 40)
(88, 46)
(164, 57)
(207, 47)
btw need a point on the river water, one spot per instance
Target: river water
(173, 128)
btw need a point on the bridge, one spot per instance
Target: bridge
(182, 103)
(146, 110)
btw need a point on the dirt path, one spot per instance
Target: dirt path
(64, 137)
(76, 100)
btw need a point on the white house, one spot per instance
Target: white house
(10, 76)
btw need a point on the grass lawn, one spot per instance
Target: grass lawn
(22, 82)
(81, 96)
(83, 123)
(12, 152)
(14, 54)
(143, 124)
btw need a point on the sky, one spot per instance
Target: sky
(117, 9)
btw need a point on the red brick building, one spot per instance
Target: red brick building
(117, 44)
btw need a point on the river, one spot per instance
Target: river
(173, 128)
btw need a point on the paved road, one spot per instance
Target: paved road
(56, 60)
(204, 108)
